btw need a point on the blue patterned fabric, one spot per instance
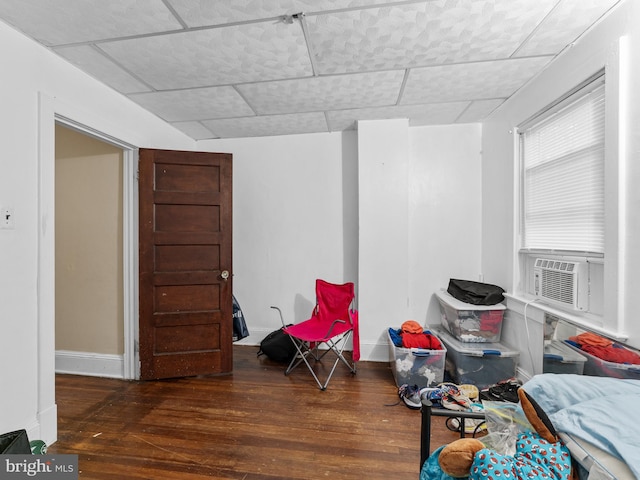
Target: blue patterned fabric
(431, 468)
(534, 458)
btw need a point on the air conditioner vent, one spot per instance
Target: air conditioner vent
(562, 282)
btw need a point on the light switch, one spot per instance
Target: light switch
(7, 221)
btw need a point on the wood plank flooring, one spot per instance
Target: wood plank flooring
(256, 424)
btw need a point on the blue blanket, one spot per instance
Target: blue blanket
(431, 468)
(600, 410)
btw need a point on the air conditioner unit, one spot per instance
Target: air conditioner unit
(562, 283)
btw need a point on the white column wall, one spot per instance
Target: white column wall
(445, 208)
(383, 172)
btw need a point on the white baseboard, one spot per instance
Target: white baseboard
(91, 364)
(523, 375)
(46, 427)
(369, 351)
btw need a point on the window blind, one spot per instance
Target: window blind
(563, 176)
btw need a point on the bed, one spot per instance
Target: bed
(598, 418)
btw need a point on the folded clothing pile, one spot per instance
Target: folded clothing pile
(412, 335)
(604, 349)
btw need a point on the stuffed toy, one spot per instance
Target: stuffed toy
(539, 454)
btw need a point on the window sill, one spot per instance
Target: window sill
(587, 321)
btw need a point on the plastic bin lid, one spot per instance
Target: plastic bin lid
(482, 349)
(458, 305)
(556, 350)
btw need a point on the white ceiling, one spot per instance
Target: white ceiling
(244, 68)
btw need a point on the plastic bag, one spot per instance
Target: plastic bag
(505, 421)
(240, 330)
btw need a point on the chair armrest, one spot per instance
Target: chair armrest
(328, 334)
(280, 312)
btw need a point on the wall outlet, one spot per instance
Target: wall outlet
(7, 221)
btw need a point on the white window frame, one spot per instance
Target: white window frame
(571, 98)
(525, 258)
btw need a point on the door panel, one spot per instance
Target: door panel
(185, 245)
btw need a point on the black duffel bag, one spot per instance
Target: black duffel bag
(278, 346)
(475, 293)
(15, 443)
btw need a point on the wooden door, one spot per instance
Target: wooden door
(185, 264)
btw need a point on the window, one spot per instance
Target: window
(562, 200)
(562, 157)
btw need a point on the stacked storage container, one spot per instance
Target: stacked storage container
(560, 358)
(600, 356)
(602, 368)
(470, 323)
(417, 366)
(471, 335)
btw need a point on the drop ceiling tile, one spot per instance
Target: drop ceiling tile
(324, 93)
(427, 33)
(73, 21)
(479, 110)
(195, 130)
(98, 66)
(444, 113)
(564, 25)
(470, 81)
(195, 104)
(218, 56)
(266, 125)
(206, 12)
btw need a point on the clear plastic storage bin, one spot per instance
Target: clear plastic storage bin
(480, 364)
(601, 368)
(417, 366)
(470, 323)
(559, 358)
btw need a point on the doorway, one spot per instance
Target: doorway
(89, 255)
(98, 209)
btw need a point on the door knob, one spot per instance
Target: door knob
(224, 274)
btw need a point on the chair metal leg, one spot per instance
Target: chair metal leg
(304, 351)
(339, 357)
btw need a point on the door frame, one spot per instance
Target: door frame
(130, 365)
(50, 112)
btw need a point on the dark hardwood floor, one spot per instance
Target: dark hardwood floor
(254, 424)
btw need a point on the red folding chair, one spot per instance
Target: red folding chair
(333, 321)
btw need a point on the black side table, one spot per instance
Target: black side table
(429, 411)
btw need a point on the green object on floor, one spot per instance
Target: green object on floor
(38, 447)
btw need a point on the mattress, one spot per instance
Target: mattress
(596, 463)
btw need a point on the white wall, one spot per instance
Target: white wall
(383, 250)
(36, 84)
(445, 206)
(599, 48)
(294, 220)
(89, 265)
(296, 213)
